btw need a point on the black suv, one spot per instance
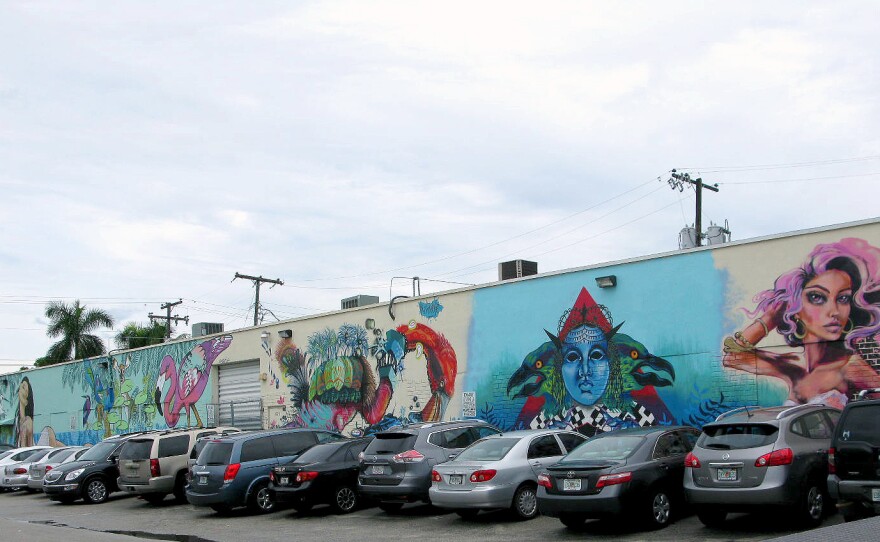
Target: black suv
(854, 458)
(396, 466)
(91, 478)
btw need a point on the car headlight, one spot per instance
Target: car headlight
(74, 474)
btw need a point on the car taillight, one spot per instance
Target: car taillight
(613, 479)
(409, 456)
(305, 476)
(272, 476)
(832, 462)
(776, 458)
(435, 476)
(483, 475)
(231, 472)
(48, 468)
(155, 471)
(19, 470)
(691, 461)
(544, 480)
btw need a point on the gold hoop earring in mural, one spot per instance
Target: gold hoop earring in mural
(800, 330)
(849, 326)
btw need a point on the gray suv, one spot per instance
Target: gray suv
(854, 459)
(396, 466)
(752, 458)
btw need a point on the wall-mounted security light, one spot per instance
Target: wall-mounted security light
(609, 281)
(264, 335)
(285, 333)
(370, 323)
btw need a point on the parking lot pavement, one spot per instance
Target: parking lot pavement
(32, 514)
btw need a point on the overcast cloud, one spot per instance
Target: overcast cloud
(149, 151)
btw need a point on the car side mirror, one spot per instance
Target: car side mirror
(453, 456)
(113, 459)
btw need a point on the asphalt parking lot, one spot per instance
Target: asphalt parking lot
(30, 517)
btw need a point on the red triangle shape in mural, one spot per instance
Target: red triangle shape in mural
(585, 311)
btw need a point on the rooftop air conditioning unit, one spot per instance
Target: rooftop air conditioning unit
(206, 328)
(359, 301)
(515, 269)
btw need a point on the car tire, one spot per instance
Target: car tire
(345, 499)
(572, 521)
(390, 507)
(221, 509)
(95, 490)
(711, 517)
(180, 487)
(810, 508)
(467, 513)
(261, 501)
(525, 502)
(658, 509)
(154, 498)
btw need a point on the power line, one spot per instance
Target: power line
(719, 169)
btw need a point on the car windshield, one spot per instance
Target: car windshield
(6, 454)
(62, 455)
(737, 436)
(98, 452)
(215, 453)
(604, 448)
(38, 456)
(390, 443)
(861, 424)
(321, 452)
(491, 449)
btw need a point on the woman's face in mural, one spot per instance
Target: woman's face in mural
(585, 366)
(826, 302)
(23, 391)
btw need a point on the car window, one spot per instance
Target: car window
(833, 417)
(460, 437)
(102, 450)
(324, 436)
(172, 446)
(40, 454)
(257, 449)
(689, 438)
(861, 424)
(490, 449)
(321, 453)
(356, 448)
(571, 440)
(293, 443)
(812, 425)
(21, 456)
(391, 443)
(484, 431)
(545, 446)
(668, 445)
(62, 455)
(215, 453)
(737, 436)
(611, 447)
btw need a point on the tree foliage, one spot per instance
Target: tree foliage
(135, 335)
(74, 324)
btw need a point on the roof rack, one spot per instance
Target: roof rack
(735, 411)
(797, 408)
(862, 394)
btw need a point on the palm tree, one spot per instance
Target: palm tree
(74, 323)
(135, 335)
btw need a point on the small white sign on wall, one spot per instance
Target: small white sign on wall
(468, 404)
(210, 413)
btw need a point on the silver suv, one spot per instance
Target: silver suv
(752, 458)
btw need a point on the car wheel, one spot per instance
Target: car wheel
(811, 505)
(525, 502)
(659, 509)
(390, 507)
(154, 498)
(95, 490)
(467, 513)
(261, 500)
(572, 521)
(222, 509)
(345, 499)
(711, 517)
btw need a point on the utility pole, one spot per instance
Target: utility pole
(168, 317)
(677, 180)
(257, 282)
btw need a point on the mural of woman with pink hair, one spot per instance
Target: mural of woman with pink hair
(826, 308)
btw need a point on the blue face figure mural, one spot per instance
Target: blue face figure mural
(585, 367)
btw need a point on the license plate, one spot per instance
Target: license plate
(455, 479)
(284, 480)
(727, 475)
(377, 469)
(203, 479)
(875, 495)
(571, 485)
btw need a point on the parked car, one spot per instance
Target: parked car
(6, 447)
(634, 474)
(233, 471)
(854, 459)
(754, 458)
(397, 464)
(14, 457)
(500, 471)
(324, 474)
(15, 475)
(154, 465)
(200, 445)
(38, 470)
(91, 478)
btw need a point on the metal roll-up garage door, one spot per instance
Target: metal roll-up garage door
(240, 404)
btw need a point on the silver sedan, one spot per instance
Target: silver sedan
(500, 471)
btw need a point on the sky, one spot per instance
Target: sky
(151, 151)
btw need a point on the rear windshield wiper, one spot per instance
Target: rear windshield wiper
(718, 446)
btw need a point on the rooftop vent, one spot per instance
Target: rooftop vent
(359, 301)
(206, 328)
(516, 268)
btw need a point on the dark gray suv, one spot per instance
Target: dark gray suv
(753, 458)
(854, 459)
(396, 467)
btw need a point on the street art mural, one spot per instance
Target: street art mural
(353, 379)
(827, 310)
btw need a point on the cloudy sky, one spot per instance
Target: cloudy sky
(149, 151)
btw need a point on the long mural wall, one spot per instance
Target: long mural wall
(679, 339)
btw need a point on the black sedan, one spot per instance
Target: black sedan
(631, 474)
(323, 474)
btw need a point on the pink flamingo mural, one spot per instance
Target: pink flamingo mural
(189, 383)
